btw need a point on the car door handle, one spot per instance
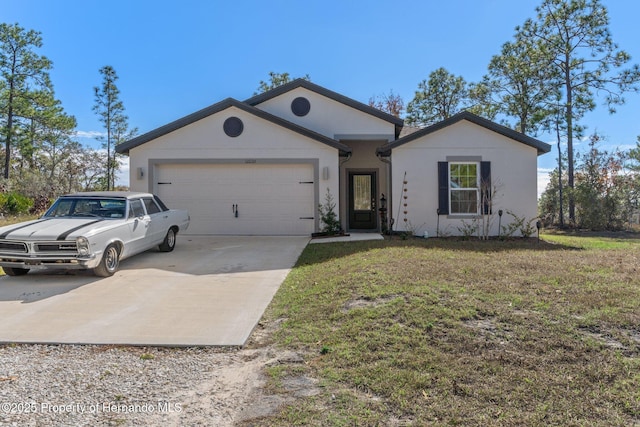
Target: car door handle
(143, 221)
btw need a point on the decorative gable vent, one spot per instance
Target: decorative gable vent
(300, 106)
(233, 127)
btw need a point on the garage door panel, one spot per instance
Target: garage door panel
(271, 199)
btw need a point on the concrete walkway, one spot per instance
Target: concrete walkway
(352, 237)
(212, 290)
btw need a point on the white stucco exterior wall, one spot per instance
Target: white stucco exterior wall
(330, 118)
(260, 140)
(513, 175)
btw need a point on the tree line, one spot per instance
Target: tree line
(40, 158)
(555, 70)
(606, 191)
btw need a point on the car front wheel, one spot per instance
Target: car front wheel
(169, 241)
(12, 271)
(109, 262)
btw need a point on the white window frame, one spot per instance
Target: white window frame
(452, 189)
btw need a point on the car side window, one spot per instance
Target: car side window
(135, 208)
(160, 203)
(151, 206)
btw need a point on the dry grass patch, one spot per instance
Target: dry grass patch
(434, 331)
(13, 219)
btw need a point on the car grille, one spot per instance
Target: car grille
(13, 247)
(56, 247)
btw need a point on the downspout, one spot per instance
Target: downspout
(390, 219)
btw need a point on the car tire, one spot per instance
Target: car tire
(109, 262)
(169, 241)
(13, 271)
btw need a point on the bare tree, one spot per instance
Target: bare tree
(389, 103)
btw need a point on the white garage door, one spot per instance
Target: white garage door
(241, 199)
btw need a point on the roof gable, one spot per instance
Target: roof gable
(273, 93)
(218, 107)
(540, 146)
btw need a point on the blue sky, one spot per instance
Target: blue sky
(174, 58)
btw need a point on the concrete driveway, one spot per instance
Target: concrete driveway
(211, 290)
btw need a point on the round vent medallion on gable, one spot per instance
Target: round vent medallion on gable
(233, 126)
(300, 106)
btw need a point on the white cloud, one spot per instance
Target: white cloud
(543, 179)
(625, 147)
(122, 176)
(89, 134)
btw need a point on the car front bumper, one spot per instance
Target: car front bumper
(44, 253)
(65, 262)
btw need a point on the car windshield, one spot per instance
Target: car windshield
(87, 207)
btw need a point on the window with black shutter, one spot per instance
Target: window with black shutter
(443, 188)
(463, 187)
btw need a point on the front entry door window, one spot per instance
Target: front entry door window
(362, 200)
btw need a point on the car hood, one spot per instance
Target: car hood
(51, 228)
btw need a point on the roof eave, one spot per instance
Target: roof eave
(126, 146)
(541, 147)
(306, 84)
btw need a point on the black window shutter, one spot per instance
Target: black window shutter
(443, 188)
(485, 185)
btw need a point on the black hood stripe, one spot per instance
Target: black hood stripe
(66, 233)
(6, 233)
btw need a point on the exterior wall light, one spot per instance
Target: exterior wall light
(325, 173)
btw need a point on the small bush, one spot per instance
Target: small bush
(41, 203)
(328, 215)
(14, 203)
(468, 230)
(519, 224)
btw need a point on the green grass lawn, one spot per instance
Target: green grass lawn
(448, 332)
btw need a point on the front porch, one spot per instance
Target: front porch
(364, 178)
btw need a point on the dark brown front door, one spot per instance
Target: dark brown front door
(362, 200)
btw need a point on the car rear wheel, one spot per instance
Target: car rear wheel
(169, 241)
(109, 262)
(13, 271)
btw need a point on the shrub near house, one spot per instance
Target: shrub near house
(13, 203)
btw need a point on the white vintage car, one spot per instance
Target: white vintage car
(91, 231)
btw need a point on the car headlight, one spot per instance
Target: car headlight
(83, 246)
